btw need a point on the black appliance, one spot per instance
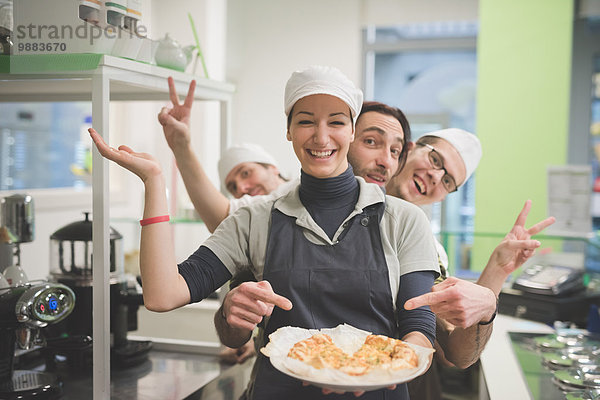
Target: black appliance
(71, 252)
(551, 280)
(572, 307)
(23, 311)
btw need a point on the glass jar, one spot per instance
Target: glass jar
(71, 250)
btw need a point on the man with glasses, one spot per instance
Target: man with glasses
(439, 160)
(439, 164)
(433, 167)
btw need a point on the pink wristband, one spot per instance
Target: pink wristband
(154, 220)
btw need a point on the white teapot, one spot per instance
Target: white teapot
(15, 276)
(170, 54)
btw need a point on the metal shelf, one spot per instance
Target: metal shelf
(30, 78)
(100, 79)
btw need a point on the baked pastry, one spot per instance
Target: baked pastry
(377, 352)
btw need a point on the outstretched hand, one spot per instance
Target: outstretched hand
(246, 305)
(141, 164)
(176, 120)
(517, 246)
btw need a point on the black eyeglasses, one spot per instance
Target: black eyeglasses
(437, 162)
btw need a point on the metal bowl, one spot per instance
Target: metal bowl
(586, 377)
(583, 395)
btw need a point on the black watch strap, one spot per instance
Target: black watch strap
(493, 316)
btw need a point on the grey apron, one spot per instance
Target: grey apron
(347, 282)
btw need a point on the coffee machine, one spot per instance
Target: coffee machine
(25, 306)
(71, 251)
(23, 311)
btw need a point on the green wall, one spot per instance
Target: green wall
(524, 75)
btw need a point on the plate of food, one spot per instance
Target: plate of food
(345, 358)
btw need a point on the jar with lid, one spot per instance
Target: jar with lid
(71, 251)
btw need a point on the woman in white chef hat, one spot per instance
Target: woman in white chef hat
(333, 250)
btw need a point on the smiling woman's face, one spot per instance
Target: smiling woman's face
(321, 132)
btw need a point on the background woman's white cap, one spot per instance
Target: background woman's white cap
(246, 152)
(467, 144)
(322, 80)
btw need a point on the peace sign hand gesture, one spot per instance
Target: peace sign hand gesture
(517, 246)
(176, 120)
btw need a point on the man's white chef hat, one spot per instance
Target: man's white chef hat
(246, 152)
(467, 145)
(322, 80)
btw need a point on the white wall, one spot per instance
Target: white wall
(268, 40)
(210, 21)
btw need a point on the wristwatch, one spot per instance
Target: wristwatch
(493, 315)
(222, 312)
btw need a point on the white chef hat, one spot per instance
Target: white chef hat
(322, 80)
(246, 152)
(467, 145)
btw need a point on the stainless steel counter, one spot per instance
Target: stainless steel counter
(167, 374)
(499, 363)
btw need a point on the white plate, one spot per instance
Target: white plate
(349, 339)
